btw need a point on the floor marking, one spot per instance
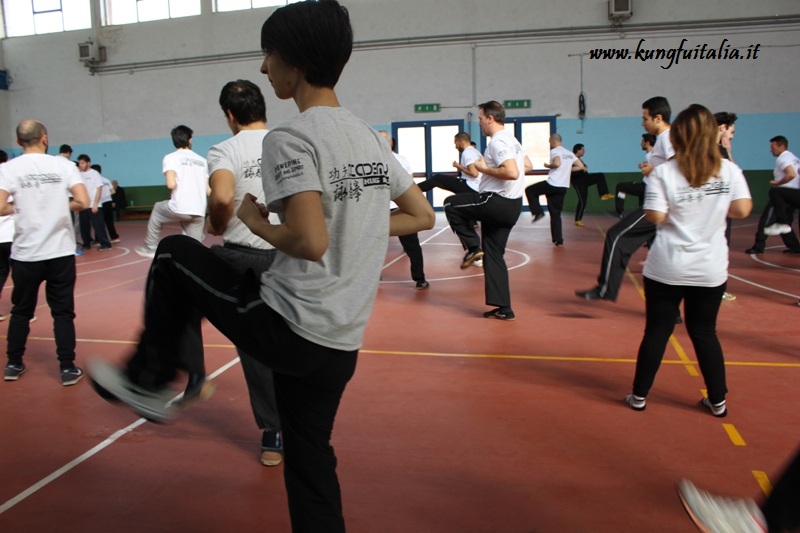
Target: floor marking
(763, 481)
(757, 285)
(734, 435)
(94, 451)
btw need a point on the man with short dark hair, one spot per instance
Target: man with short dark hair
(44, 245)
(785, 175)
(633, 188)
(582, 179)
(186, 176)
(468, 179)
(92, 218)
(554, 188)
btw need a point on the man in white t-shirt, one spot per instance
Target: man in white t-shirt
(92, 218)
(785, 174)
(468, 179)
(410, 243)
(107, 203)
(234, 166)
(186, 175)
(633, 230)
(496, 206)
(6, 238)
(633, 188)
(44, 245)
(555, 187)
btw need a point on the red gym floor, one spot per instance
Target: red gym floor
(452, 423)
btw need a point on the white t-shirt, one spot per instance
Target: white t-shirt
(105, 194)
(559, 177)
(328, 149)
(41, 187)
(191, 170)
(661, 153)
(241, 155)
(93, 180)
(504, 146)
(784, 160)
(7, 228)
(690, 246)
(468, 156)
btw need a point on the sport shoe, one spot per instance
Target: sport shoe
(421, 285)
(470, 258)
(115, 240)
(790, 251)
(145, 252)
(537, 217)
(754, 250)
(777, 229)
(2, 317)
(271, 447)
(478, 263)
(13, 372)
(502, 315)
(591, 294)
(579, 223)
(728, 296)
(70, 376)
(198, 389)
(103, 248)
(717, 409)
(717, 514)
(79, 251)
(608, 196)
(110, 381)
(637, 403)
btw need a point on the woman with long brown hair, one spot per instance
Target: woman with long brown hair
(688, 198)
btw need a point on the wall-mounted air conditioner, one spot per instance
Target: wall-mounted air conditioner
(620, 10)
(87, 52)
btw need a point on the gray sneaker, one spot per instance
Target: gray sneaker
(13, 372)
(716, 514)
(110, 381)
(70, 376)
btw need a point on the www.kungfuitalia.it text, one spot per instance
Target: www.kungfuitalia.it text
(673, 56)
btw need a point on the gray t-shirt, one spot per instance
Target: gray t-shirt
(328, 149)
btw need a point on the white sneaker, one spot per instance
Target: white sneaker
(145, 252)
(777, 229)
(728, 296)
(478, 263)
(716, 514)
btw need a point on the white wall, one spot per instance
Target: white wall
(381, 85)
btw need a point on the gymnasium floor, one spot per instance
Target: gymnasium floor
(452, 423)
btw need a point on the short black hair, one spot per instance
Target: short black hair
(463, 136)
(313, 36)
(65, 149)
(724, 118)
(244, 100)
(181, 136)
(3, 156)
(494, 109)
(577, 147)
(780, 140)
(649, 138)
(658, 105)
(97, 167)
(84, 157)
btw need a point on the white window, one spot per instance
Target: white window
(117, 12)
(33, 17)
(238, 5)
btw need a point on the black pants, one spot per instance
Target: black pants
(497, 216)
(59, 289)
(632, 188)
(555, 203)
(5, 263)
(188, 281)
(453, 184)
(781, 509)
(622, 240)
(768, 217)
(89, 221)
(257, 375)
(700, 308)
(108, 220)
(413, 250)
(582, 181)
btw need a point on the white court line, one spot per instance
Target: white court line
(93, 451)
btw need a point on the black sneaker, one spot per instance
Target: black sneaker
(790, 251)
(421, 285)
(537, 217)
(271, 447)
(103, 248)
(13, 372)
(198, 389)
(501, 315)
(470, 258)
(70, 376)
(754, 250)
(591, 294)
(152, 405)
(637, 403)
(717, 409)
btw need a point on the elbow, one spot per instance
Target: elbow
(314, 250)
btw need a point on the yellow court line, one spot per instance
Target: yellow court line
(763, 481)
(734, 435)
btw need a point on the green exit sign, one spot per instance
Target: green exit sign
(427, 108)
(517, 104)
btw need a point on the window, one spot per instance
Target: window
(33, 17)
(238, 5)
(130, 11)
